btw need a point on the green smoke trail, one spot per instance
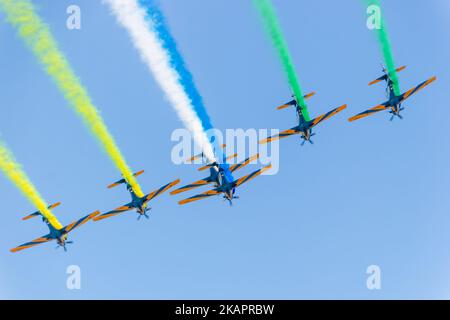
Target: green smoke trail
(385, 46)
(273, 29)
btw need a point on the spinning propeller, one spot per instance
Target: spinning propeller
(310, 141)
(144, 214)
(64, 245)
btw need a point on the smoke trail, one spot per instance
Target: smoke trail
(273, 29)
(385, 46)
(158, 22)
(186, 79)
(36, 34)
(14, 172)
(153, 53)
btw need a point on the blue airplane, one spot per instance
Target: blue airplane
(220, 175)
(304, 127)
(394, 103)
(138, 203)
(57, 231)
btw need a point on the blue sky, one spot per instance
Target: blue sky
(370, 192)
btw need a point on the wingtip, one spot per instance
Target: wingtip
(354, 118)
(309, 95)
(55, 205)
(203, 168)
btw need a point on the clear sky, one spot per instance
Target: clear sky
(370, 192)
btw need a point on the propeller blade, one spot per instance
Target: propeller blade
(310, 141)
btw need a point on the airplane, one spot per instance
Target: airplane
(138, 203)
(217, 173)
(394, 104)
(222, 185)
(57, 231)
(304, 127)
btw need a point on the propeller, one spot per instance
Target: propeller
(144, 214)
(396, 114)
(64, 245)
(230, 200)
(309, 140)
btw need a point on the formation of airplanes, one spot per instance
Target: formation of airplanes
(220, 173)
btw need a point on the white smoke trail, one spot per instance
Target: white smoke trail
(151, 49)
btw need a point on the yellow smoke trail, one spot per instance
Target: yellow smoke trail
(36, 34)
(14, 172)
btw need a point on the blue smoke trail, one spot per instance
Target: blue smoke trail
(185, 76)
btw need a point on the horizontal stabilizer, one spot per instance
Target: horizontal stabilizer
(385, 76)
(294, 102)
(215, 163)
(122, 181)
